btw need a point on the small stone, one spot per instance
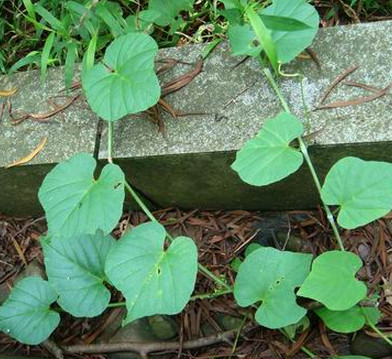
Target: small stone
(371, 347)
(163, 327)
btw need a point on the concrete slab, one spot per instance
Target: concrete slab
(71, 131)
(188, 166)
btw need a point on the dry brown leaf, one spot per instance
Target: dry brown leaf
(387, 287)
(183, 80)
(29, 157)
(356, 101)
(335, 82)
(8, 93)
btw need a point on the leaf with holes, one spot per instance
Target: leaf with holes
(169, 9)
(270, 276)
(153, 280)
(125, 82)
(76, 269)
(243, 40)
(362, 189)
(350, 320)
(289, 44)
(76, 203)
(332, 281)
(268, 157)
(26, 314)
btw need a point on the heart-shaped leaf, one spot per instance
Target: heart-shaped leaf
(75, 203)
(291, 43)
(125, 82)
(270, 276)
(26, 314)
(350, 320)
(76, 269)
(268, 157)
(362, 189)
(169, 9)
(332, 281)
(153, 280)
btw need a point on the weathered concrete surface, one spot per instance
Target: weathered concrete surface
(69, 132)
(189, 166)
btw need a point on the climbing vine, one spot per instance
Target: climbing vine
(157, 273)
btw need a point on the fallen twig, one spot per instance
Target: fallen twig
(41, 117)
(143, 349)
(182, 80)
(53, 349)
(362, 86)
(356, 101)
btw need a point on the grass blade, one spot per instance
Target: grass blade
(45, 55)
(70, 63)
(263, 36)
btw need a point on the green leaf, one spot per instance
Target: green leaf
(31, 58)
(332, 281)
(270, 276)
(142, 21)
(70, 63)
(282, 23)
(264, 37)
(125, 82)
(243, 40)
(50, 19)
(350, 320)
(153, 280)
(362, 189)
(30, 8)
(169, 9)
(210, 47)
(45, 54)
(289, 44)
(26, 314)
(251, 248)
(89, 55)
(235, 264)
(75, 203)
(268, 157)
(76, 269)
(114, 26)
(293, 329)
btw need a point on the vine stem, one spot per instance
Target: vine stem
(110, 141)
(194, 297)
(139, 201)
(305, 153)
(374, 327)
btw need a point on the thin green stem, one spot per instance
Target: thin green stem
(305, 153)
(237, 337)
(139, 201)
(110, 141)
(316, 180)
(211, 295)
(117, 305)
(215, 278)
(374, 327)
